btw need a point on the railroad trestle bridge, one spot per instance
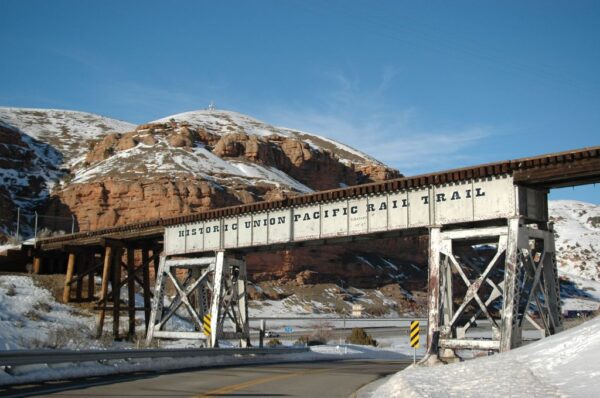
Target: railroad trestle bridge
(501, 205)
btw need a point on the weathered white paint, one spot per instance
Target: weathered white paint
(473, 200)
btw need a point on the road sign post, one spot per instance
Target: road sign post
(289, 330)
(414, 338)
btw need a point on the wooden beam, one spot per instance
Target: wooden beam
(104, 290)
(37, 264)
(68, 277)
(116, 286)
(81, 268)
(113, 242)
(91, 277)
(146, 280)
(131, 291)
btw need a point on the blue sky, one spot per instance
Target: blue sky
(422, 86)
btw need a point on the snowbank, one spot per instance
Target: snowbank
(566, 364)
(30, 317)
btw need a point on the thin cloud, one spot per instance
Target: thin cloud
(362, 119)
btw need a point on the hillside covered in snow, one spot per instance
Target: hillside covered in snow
(68, 132)
(577, 234)
(38, 148)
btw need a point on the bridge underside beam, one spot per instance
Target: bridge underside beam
(586, 171)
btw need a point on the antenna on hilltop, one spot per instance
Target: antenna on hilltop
(211, 106)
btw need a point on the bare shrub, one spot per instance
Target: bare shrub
(42, 306)
(11, 290)
(322, 333)
(309, 341)
(32, 315)
(359, 336)
(274, 343)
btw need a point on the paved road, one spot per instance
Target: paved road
(314, 379)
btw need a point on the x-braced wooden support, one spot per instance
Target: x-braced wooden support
(211, 290)
(498, 277)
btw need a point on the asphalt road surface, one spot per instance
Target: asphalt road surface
(309, 379)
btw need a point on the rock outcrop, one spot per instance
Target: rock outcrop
(171, 168)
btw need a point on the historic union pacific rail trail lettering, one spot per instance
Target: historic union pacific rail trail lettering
(380, 206)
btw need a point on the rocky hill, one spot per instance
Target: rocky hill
(38, 148)
(201, 160)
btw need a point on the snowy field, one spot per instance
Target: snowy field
(564, 365)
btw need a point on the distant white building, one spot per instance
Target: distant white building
(357, 310)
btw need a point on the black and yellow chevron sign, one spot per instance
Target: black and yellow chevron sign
(206, 326)
(414, 334)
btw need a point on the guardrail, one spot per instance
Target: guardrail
(32, 357)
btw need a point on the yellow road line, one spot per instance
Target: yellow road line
(267, 379)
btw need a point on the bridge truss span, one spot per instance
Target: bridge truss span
(470, 201)
(491, 251)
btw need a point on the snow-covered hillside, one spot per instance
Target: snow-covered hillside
(26, 164)
(223, 122)
(563, 365)
(577, 226)
(161, 158)
(37, 148)
(31, 318)
(67, 131)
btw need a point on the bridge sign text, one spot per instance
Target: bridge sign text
(466, 201)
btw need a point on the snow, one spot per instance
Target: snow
(157, 159)
(6, 247)
(31, 318)
(222, 122)
(565, 364)
(577, 226)
(269, 174)
(62, 129)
